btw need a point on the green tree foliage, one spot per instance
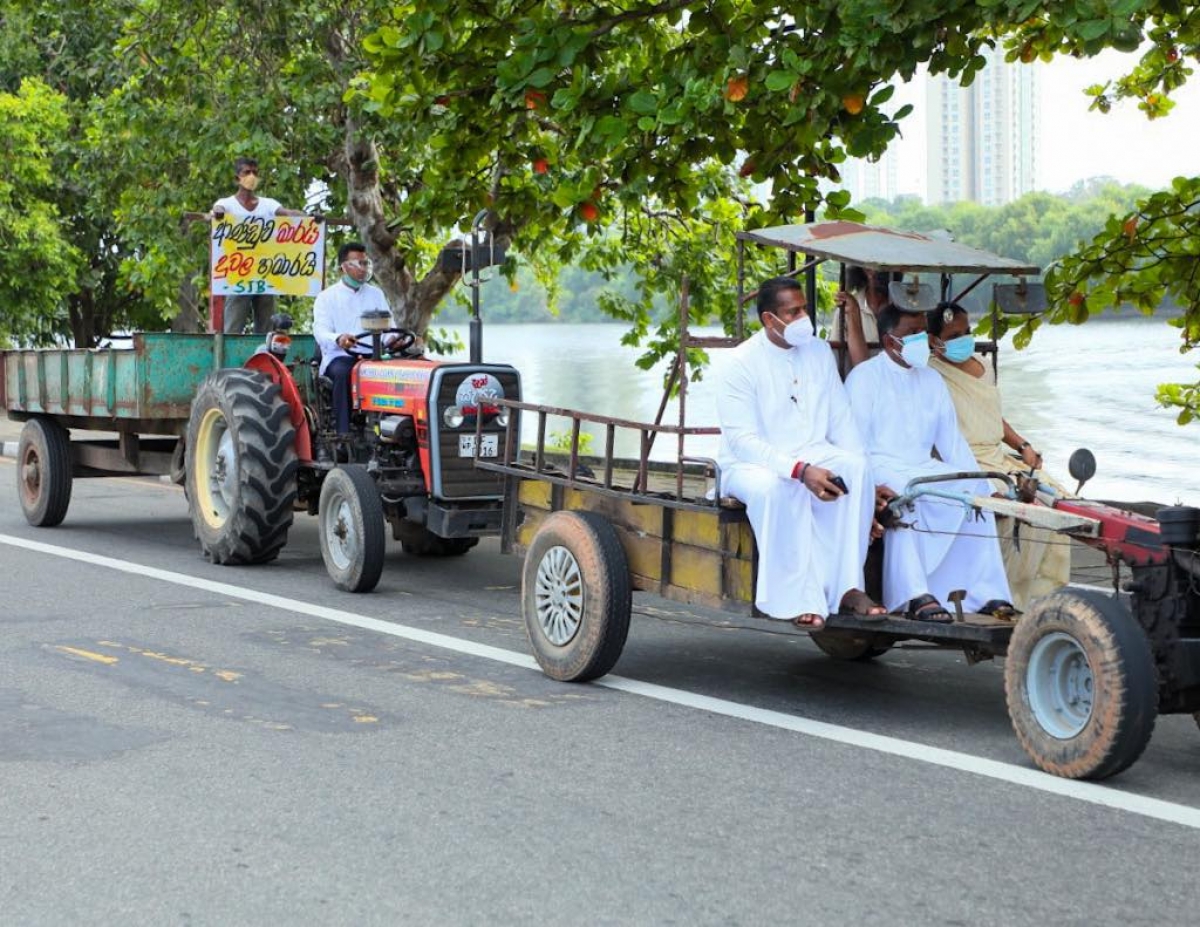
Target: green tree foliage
(38, 261)
(600, 135)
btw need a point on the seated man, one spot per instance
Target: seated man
(336, 319)
(787, 435)
(904, 413)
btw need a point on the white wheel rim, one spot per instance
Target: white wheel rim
(1060, 685)
(341, 540)
(558, 596)
(222, 472)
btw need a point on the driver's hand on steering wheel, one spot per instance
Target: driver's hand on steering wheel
(399, 342)
(346, 342)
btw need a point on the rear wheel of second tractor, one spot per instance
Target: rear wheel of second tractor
(241, 467)
(1081, 685)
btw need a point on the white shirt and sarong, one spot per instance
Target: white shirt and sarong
(777, 406)
(338, 310)
(903, 414)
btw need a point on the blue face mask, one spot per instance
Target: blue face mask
(960, 349)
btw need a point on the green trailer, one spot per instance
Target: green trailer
(139, 398)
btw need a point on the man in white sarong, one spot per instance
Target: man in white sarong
(787, 436)
(904, 412)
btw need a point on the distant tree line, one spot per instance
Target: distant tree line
(1039, 228)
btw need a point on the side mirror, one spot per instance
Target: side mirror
(1082, 466)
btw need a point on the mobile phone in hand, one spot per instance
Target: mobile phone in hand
(839, 483)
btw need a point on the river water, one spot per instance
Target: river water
(1089, 386)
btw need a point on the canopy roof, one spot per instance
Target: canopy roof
(885, 249)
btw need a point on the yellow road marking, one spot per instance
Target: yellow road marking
(88, 655)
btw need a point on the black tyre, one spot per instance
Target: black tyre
(850, 646)
(1080, 683)
(353, 543)
(419, 541)
(241, 467)
(576, 596)
(44, 472)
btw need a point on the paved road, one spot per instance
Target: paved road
(188, 744)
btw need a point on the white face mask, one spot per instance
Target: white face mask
(797, 332)
(914, 349)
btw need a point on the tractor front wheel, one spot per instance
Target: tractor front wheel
(353, 543)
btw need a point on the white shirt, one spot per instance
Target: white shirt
(338, 310)
(903, 413)
(265, 208)
(777, 405)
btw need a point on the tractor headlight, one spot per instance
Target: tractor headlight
(453, 417)
(502, 417)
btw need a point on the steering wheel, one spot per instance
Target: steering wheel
(404, 338)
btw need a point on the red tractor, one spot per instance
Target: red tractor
(261, 444)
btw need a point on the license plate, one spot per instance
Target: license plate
(488, 447)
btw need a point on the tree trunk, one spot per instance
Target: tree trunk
(187, 319)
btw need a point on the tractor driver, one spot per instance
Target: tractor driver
(336, 317)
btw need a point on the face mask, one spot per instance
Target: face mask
(351, 282)
(797, 332)
(250, 182)
(914, 349)
(959, 349)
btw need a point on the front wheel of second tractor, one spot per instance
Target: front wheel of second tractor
(240, 467)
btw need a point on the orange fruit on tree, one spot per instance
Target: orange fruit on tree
(736, 88)
(853, 103)
(540, 165)
(534, 99)
(588, 212)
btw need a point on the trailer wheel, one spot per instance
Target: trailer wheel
(1080, 683)
(241, 467)
(353, 544)
(851, 646)
(44, 472)
(576, 596)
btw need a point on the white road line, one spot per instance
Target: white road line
(935, 756)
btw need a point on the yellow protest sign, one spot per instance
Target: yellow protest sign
(255, 256)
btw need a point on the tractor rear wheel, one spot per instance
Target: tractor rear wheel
(353, 543)
(241, 467)
(44, 472)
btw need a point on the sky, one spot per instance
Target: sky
(1076, 144)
